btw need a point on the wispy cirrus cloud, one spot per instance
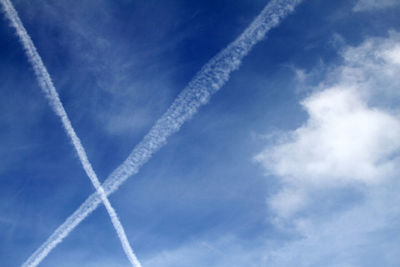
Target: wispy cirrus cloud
(364, 5)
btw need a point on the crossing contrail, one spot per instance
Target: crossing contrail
(206, 82)
(51, 94)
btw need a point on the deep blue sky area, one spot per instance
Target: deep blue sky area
(212, 195)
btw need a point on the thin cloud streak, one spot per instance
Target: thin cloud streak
(51, 94)
(206, 82)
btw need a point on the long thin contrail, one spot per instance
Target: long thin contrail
(197, 93)
(50, 91)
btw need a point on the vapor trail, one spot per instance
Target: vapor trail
(205, 83)
(50, 92)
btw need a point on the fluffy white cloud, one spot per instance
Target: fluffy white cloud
(351, 136)
(363, 5)
(342, 140)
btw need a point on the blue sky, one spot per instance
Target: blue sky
(294, 162)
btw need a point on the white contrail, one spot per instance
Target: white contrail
(49, 90)
(206, 82)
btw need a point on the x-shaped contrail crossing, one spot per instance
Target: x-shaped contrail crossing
(197, 93)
